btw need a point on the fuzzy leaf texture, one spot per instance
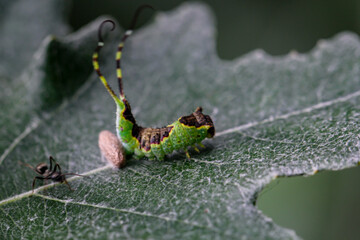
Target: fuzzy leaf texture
(274, 116)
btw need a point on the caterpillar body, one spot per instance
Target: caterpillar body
(151, 142)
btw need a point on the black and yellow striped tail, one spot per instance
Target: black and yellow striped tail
(118, 62)
(96, 66)
(121, 46)
(118, 55)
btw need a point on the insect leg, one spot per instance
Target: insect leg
(51, 159)
(33, 184)
(187, 154)
(27, 165)
(57, 166)
(66, 182)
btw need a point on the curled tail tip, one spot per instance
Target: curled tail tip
(147, 6)
(110, 21)
(137, 13)
(101, 40)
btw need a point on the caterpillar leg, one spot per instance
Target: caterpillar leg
(187, 154)
(196, 149)
(201, 145)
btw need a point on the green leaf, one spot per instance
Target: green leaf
(274, 116)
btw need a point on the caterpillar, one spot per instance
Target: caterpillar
(153, 143)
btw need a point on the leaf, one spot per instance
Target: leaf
(50, 74)
(274, 116)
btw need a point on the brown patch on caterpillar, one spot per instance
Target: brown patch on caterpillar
(145, 138)
(165, 132)
(155, 136)
(127, 114)
(198, 119)
(111, 147)
(148, 136)
(136, 132)
(189, 121)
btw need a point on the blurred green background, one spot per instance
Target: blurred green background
(277, 26)
(324, 206)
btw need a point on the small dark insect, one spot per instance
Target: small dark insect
(47, 172)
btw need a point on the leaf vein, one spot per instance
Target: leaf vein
(11, 219)
(37, 121)
(290, 114)
(268, 140)
(33, 125)
(149, 176)
(129, 211)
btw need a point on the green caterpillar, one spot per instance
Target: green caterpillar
(151, 142)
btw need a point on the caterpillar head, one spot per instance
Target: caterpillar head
(199, 120)
(205, 120)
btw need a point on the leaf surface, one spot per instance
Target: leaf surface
(274, 116)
